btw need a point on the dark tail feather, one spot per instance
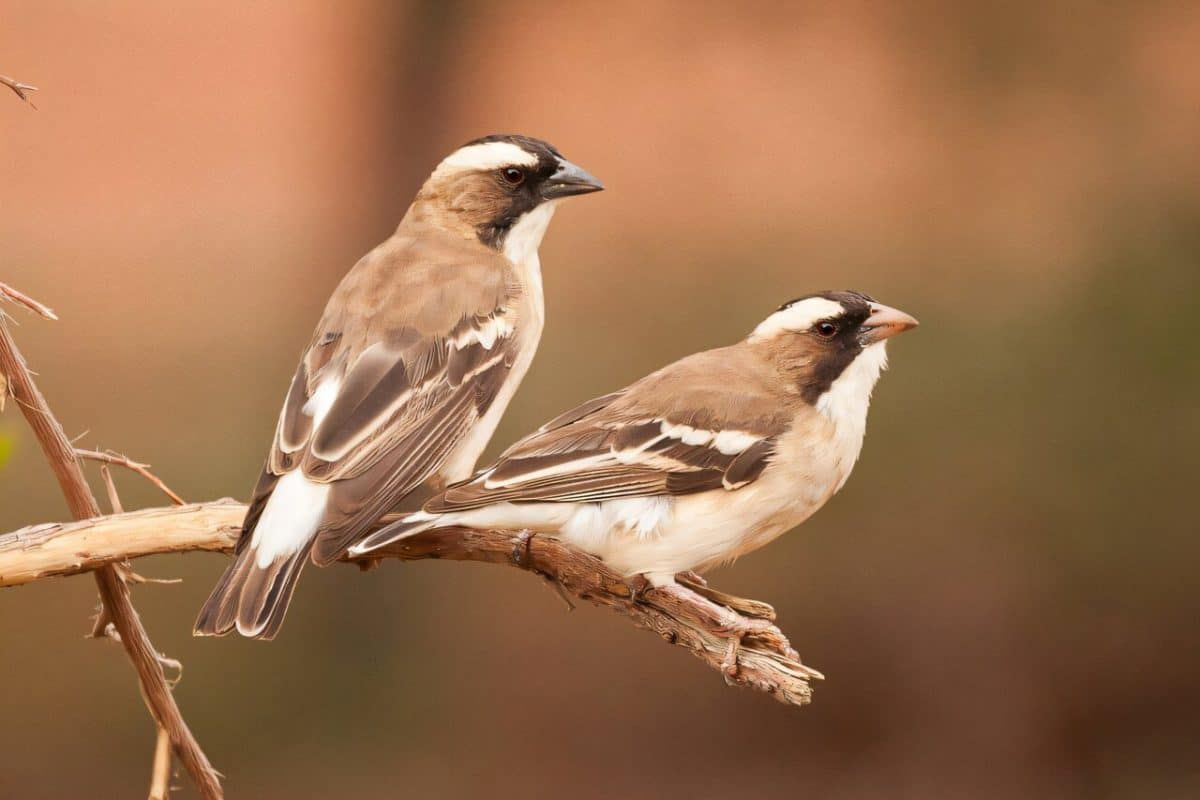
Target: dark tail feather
(219, 614)
(250, 598)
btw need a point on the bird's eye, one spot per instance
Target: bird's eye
(512, 176)
(826, 329)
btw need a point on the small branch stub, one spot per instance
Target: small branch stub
(21, 90)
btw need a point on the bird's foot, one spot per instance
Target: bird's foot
(739, 631)
(744, 606)
(638, 586)
(520, 551)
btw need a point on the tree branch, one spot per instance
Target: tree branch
(160, 775)
(21, 90)
(9, 293)
(748, 650)
(113, 591)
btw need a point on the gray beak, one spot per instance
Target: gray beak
(569, 180)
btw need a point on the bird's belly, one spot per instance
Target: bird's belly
(701, 531)
(661, 536)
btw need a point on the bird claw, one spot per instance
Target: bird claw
(638, 586)
(747, 608)
(725, 622)
(520, 551)
(729, 665)
(738, 628)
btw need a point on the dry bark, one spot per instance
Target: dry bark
(746, 647)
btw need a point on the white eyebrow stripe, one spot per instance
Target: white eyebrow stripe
(798, 317)
(485, 156)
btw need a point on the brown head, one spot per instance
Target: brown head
(502, 190)
(823, 337)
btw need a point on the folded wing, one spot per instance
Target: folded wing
(720, 432)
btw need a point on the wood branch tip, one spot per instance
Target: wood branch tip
(25, 301)
(20, 89)
(111, 457)
(160, 773)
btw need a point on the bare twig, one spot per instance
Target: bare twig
(114, 499)
(113, 591)
(21, 90)
(762, 658)
(20, 298)
(160, 775)
(109, 457)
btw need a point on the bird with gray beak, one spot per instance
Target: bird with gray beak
(414, 361)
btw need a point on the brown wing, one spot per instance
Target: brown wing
(710, 421)
(412, 350)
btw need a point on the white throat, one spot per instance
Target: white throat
(525, 236)
(847, 399)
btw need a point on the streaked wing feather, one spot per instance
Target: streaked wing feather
(399, 453)
(419, 336)
(607, 471)
(356, 502)
(294, 426)
(577, 413)
(258, 503)
(658, 436)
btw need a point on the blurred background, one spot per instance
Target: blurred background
(1004, 596)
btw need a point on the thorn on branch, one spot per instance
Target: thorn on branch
(21, 90)
(102, 626)
(137, 578)
(561, 591)
(110, 457)
(114, 500)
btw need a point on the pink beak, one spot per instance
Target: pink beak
(884, 323)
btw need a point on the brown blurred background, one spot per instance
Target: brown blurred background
(1003, 597)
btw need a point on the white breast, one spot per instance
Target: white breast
(521, 248)
(812, 462)
(848, 399)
